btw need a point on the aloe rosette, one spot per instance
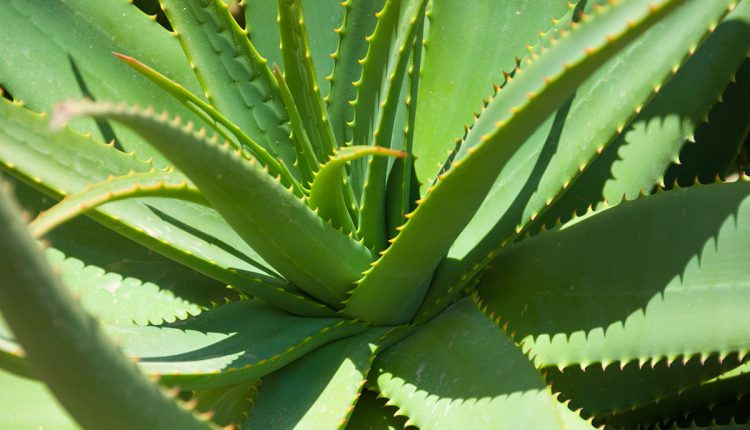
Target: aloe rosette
(374, 214)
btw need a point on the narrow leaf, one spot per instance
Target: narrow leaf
(358, 23)
(235, 78)
(372, 223)
(150, 184)
(219, 123)
(300, 76)
(307, 160)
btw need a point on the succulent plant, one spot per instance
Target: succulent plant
(374, 214)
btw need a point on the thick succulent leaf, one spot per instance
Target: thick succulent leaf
(119, 300)
(307, 160)
(615, 285)
(219, 123)
(358, 23)
(228, 405)
(60, 163)
(149, 184)
(112, 299)
(544, 166)
(372, 223)
(27, 404)
(718, 141)
(300, 76)
(525, 103)
(402, 187)
(638, 394)
(322, 17)
(727, 388)
(318, 391)
(467, 39)
(229, 344)
(642, 153)
(461, 371)
(299, 244)
(234, 77)
(327, 195)
(394, 30)
(72, 58)
(371, 413)
(116, 395)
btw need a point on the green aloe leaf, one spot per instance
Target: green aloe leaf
(358, 23)
(718, 141)
(318, 391)
(216, 120)
(327, 195)
(322, 17)
(28, 404)
(302, 247)
(300, 76)
(64, 162)
(641, 154)
(402, 187)
(474, 376)
(229, 344)
(116, 394)
(393, 32)
(371, 413)
(525, 103)
(81, 61)
(150, 184)
(113, 299)
(632, 394)
(372, 223)
(615, 284)
(545, 166)
(725, 391)
(307, 160)
(234, 77)
(228, 405)
(466, 39)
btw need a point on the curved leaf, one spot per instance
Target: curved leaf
(150, 184)
(116, 395)
(327, 194)
(299, 244)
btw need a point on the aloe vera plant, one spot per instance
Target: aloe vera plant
(374, 214)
